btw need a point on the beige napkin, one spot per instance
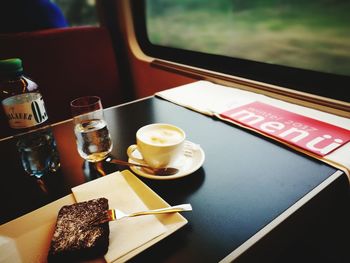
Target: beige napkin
(129, 233)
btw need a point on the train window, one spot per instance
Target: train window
(302, 45)
(78, 12)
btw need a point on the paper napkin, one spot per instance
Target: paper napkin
(9, 250)
(129, 233)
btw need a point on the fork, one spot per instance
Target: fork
(115, 214)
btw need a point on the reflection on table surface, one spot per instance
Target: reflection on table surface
(245, 182)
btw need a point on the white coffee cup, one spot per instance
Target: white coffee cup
(160, 144)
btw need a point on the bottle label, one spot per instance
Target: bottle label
(25, 110)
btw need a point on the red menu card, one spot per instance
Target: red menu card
(312, 135)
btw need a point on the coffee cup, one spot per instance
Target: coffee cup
(159, 144)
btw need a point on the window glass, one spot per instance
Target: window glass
(311, 35)
(78, 12)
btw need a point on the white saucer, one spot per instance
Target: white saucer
(191, 160)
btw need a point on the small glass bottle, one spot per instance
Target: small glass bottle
(24, 107)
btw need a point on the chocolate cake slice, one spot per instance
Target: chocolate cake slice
(74, 238)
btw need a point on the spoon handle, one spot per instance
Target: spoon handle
(110, 160)
(156, 171)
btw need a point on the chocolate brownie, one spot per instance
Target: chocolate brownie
(74, 238)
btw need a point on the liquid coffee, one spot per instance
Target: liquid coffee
(161, 135)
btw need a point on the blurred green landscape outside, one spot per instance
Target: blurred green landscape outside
(303, 34)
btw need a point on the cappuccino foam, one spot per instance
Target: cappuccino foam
(165, 135)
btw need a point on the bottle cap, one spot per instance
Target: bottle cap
(11, 67)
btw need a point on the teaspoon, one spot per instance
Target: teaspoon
(156, 171)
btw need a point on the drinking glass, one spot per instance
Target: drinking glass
(92, 136)
(38, 152)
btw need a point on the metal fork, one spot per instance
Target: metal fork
(115, 214)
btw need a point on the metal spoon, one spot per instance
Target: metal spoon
(156, 171)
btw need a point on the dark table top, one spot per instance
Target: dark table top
(246, 185)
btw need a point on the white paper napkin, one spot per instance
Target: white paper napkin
(9, 252)
(129, 233)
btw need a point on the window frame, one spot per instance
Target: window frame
(326, 85)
